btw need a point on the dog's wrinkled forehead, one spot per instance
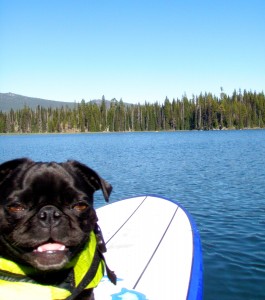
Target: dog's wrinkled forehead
(25, 174)
(48, 174)
(47, 183)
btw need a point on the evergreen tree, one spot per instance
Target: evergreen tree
(203, 112)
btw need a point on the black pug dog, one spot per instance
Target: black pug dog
(50, 244)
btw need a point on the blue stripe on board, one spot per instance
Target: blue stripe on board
(195, 291)
(196, 281)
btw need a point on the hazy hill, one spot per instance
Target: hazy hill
(13, 101)
(10, 101)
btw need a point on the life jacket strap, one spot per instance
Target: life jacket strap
(111, 274)
(101, 247)
(87, 278)
(98, 257)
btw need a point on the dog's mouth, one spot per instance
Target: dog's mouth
(50, 248)
(49, 256)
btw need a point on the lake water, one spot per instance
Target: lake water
(219, 176)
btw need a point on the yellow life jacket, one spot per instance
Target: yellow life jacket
(18, 285)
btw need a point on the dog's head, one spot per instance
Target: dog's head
(46, 211)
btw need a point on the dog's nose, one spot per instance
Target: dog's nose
(49, 216)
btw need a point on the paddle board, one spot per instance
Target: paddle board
(154, 248)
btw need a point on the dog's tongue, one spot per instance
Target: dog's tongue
(51, 247)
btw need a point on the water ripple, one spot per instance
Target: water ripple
(217, 176)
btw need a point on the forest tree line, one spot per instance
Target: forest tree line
(204, 112)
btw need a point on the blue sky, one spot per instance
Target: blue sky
(137, 50)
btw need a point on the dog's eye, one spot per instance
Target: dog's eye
(16, 207)
(80, 207)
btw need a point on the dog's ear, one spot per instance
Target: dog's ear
(9, 167)
(91, 177)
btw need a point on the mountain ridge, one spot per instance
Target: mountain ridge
(13, 101)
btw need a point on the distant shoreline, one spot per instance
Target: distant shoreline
(117, 132)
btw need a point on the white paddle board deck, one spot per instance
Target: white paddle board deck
(153, 247)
